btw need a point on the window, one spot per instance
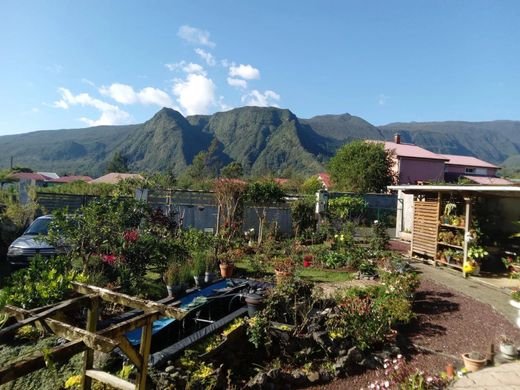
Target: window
(470, 170)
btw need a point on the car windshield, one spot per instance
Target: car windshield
(39, 226)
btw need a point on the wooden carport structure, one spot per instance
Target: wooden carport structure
(53, 320)
(427, 212)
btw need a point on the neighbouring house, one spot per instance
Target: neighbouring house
(472, 168)
(32, 178)
(413, 164)
(70, 179)
(52, 175)
(115, 177)
(325, 180)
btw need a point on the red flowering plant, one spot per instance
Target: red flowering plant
(307, 261)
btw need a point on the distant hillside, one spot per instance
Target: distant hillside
(261, 139)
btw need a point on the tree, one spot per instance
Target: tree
(118, 164)
(261, 195)
(233, 170)
(230, 195)
(362, 167)
(312, 185)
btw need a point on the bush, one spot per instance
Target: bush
(303, 216)
(45, 281)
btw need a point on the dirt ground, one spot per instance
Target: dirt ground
(448, 324)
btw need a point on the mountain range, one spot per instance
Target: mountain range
(261, 139)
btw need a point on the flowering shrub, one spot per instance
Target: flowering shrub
(399, 375)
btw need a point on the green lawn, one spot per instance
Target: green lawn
(310, 273)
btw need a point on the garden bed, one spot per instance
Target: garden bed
(448, 322)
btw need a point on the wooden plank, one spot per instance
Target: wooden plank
(109, 379)
(129, 301)
(144, 351)
(88, 355)
(62, 353)
(36, 361)
(68, 304)
(130, 351)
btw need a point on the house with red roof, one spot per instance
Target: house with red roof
(472, 168)
(70, 179)
(413, 164)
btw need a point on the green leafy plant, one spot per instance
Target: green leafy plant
(45, 281)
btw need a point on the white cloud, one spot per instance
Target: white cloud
(195, 35)
(257, 98)
(244, 71)
(382, 99)
(195, 94)
(110, 114)
(88, 82)
(188, 67)
(223, 106)
(194, 68)
(175, 66)
(121, 93)
(125, 94)
(239, 83)
(226, 63)
(206, 56)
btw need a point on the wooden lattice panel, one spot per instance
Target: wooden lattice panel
(425, 227)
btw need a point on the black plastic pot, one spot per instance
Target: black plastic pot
(254, 304)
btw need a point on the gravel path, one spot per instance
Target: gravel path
(448, 323)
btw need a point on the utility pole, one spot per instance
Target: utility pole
(12, 157)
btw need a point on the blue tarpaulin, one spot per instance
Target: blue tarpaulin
(135, 336)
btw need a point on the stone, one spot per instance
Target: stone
(274, 373)
(174, 375)
(326, 376)
(169, 369)
(313, 376)
(259, 381)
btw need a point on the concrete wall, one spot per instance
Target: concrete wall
(412, 170)
(404, 221)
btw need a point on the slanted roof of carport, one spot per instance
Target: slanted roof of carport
(484, 190)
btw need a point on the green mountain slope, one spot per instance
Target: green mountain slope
(71, 151)
(261, 139)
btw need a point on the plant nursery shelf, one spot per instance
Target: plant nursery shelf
(451, 245)
(451, 226)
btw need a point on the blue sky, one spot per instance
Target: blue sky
(69, 64)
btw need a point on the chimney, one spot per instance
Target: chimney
(397, 138)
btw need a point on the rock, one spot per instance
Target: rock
(274, 373)
(259, 381)
(169, 369)
(326, 376)
(174, 375)
(313, 376)
(321, 338)
(354, 355)
(298, 378)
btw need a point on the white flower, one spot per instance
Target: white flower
(385, 365)
(387, 384)
(429, 379)
(372, 386)
(399, 356)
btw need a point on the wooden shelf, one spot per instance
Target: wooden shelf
(450, 245)
(452, 226)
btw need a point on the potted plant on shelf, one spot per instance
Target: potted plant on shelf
(199, 264)
(449, 208)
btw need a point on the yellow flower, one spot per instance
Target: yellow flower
(72, 382)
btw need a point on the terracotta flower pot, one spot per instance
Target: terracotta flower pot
(226, 270)
(473, 364)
